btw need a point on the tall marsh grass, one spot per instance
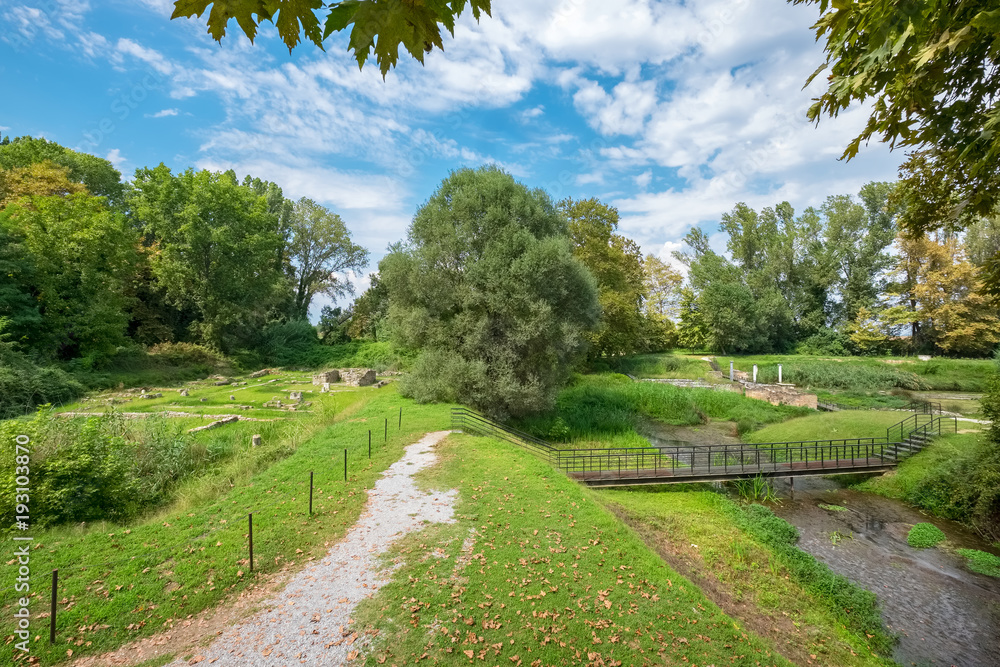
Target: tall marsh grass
(597, 406)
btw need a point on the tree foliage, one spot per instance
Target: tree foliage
(378, 27)
(789, 278)
(214, 249)
(616, 263)
(930, 68)
(486, 286)
(320, 250)
(75, 257)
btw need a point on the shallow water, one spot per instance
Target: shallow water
(944, 614)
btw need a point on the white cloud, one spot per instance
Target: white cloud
(164, 113)
(644, 179)
(151, 57)
(528, 114)
(114, 156)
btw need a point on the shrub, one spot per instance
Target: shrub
(292, 343)
(826, 342)
(98, 468)
(981, 561)
(24, 385)
(924, 536)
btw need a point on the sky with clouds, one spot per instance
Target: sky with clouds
(671, 111)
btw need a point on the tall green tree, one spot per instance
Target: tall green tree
(929, 71)
(857, 237)
(214, 243)
(487, 287)
(76, 260)
(320, 249)
(616, 262)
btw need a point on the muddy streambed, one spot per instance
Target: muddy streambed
(943, 614)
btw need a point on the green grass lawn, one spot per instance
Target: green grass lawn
(828, 426)
(869, 373)
(120, 582)
(552, 577)
(785, 599)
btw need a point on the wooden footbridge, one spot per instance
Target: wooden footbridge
(628, 466)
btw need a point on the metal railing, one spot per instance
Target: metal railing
(696, 461)
(467, 421)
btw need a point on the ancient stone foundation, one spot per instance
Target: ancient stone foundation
(780, 395)
(359, 377)
(327, 377)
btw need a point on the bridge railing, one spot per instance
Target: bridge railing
(699, 461)
(467, 421)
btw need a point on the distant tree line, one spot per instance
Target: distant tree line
(840, 279)
(90, 263)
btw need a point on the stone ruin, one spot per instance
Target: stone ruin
(327, 377)
(295, 396)
(261, 373)
(355, 377)
(781, 395)
(359, 377)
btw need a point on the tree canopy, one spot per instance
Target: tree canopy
(378, 27)
(931, 70)
(487, 287)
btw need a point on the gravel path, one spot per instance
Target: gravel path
(307, 623)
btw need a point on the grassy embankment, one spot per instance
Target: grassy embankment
(119, 582)
(609, 410)
(859, 382)
(870, 373)
(956, 477)
(828, 425)
(539, 570)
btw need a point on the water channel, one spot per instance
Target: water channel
(943, 614)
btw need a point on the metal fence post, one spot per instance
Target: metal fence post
(52, 615)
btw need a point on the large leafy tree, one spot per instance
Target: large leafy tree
(75, 258)
(214, 244)
(378, 27)
(663, 284)
(938, 293)
(486, 286)
(930, 70)
(319, 251)
(97, 174)
(616, 262)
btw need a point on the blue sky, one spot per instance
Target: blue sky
(671, 111)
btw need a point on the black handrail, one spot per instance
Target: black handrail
(660, 462)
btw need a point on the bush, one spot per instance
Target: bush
(981, 562)
(924, 536)
(826, 342)
(24, 385)
(292, 343)
(98, 468)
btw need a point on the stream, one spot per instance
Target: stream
(943, 614)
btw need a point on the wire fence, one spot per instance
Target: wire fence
(263, 527)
